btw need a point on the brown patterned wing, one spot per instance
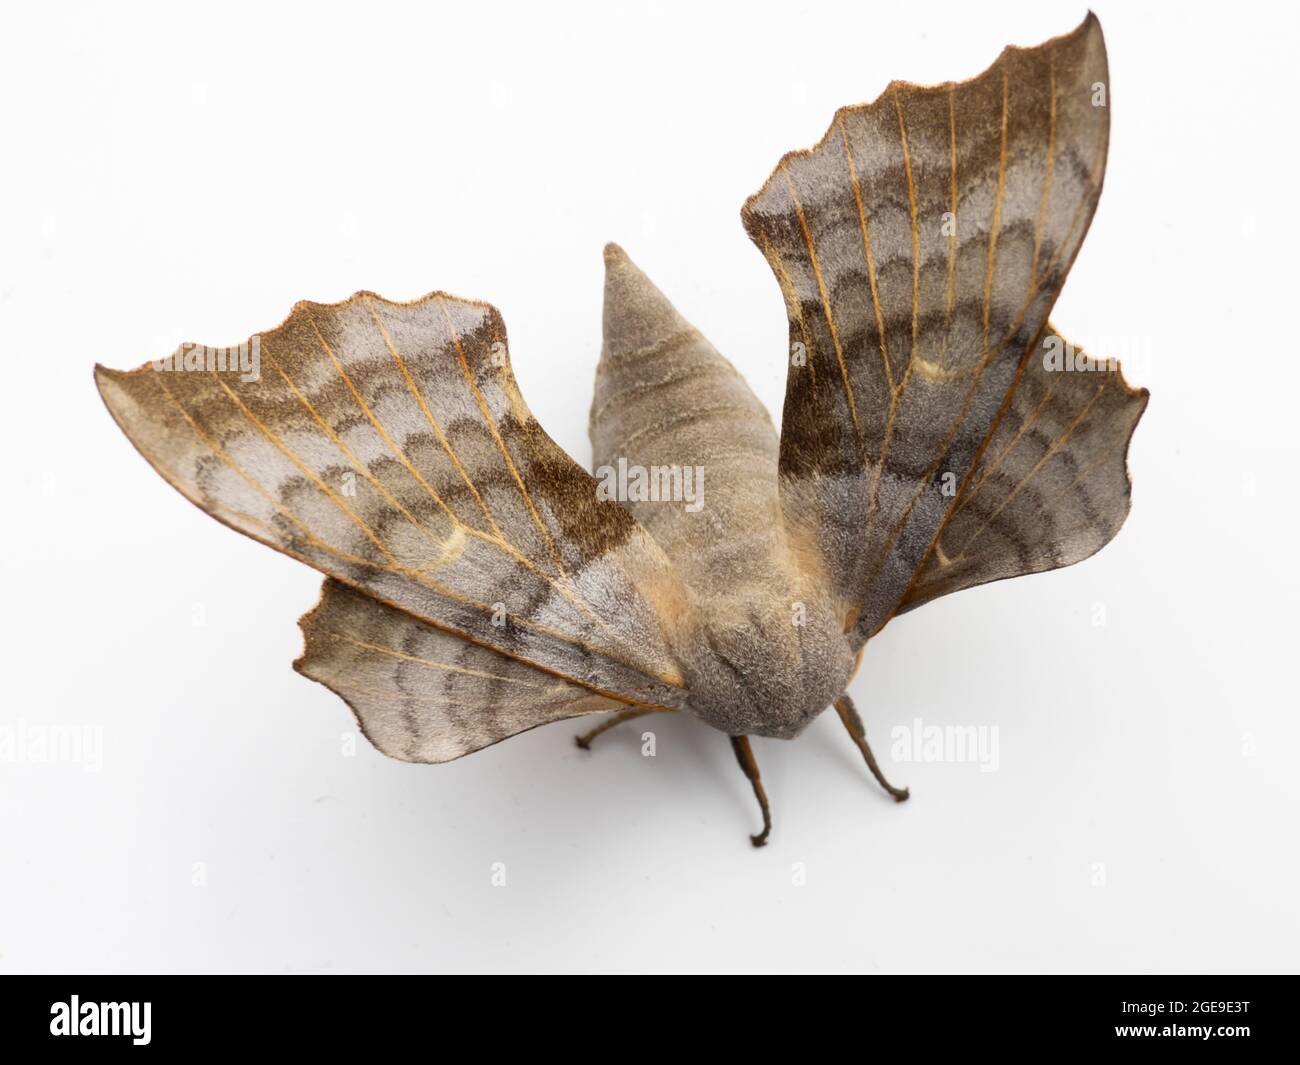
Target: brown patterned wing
(421, 694)
(919, 248)
(387, 445)
(1052, 486)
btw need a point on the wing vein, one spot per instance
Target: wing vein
(496, 436)
(1056, 446)
(830, 317)
(394, 653)
(428, 414)
(868, 250)
(1048, 166)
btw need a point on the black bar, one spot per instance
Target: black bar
(928, 1014)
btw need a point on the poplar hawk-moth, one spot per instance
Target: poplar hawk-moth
(478, 582)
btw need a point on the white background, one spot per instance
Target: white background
(187, 174)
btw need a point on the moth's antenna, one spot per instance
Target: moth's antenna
(849, 715)
(745, 756)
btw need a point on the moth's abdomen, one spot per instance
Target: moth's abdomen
(764, 654)
(679, 438)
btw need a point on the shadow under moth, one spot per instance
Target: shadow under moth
(480, 583)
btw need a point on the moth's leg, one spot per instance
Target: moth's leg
(584, 740)
(849, 715)
(745, 756)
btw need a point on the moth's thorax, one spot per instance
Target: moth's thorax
(766, 667)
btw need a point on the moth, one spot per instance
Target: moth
(479, 582)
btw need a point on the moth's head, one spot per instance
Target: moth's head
(766, 676)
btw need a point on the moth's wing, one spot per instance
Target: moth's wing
(422, 694)
(1052, 486)
(387, 445)
(920, 247)
(666, 400)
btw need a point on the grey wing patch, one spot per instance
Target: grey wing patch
(422, 694)
(1052, 486)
